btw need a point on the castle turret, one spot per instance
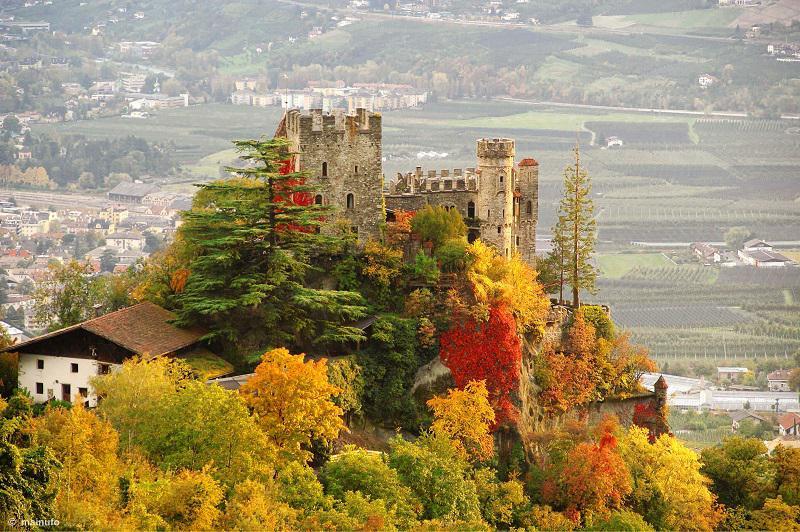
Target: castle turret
(526, 194)
(342, 155)
(496, 193)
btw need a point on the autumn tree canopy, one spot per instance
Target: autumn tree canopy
(294, 402)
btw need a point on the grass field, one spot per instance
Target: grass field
(196, 131)
(615, 265)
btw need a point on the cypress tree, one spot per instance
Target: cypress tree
(575, 230)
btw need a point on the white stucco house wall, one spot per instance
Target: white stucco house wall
(60, 365)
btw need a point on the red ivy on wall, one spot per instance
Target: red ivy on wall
(297, 198)
(489, 351)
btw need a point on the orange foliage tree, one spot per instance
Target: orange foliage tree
(465, 417)
(293, 400)
(487, 351)
(595, 478)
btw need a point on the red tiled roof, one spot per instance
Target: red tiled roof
(788, 420)
(529, 162)
(143, 329)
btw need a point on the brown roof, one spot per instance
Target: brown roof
(779, 375)
(529, 162)
(143, 329)
(788, 420)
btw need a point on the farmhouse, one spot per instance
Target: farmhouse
(706, 80)
(778, 381)
(733, 374)
(60, 365)
(789, 424)
(760, 254)
(706, 252)
(741, 415)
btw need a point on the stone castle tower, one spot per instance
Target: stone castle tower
(499, 199)
(342, 155)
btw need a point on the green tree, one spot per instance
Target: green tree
(740, 471)
(368, 473)
(438, 476)
(575, 230)
(438, 224)
(27, 477)
(736, 236)
(108, 260)
(182, 423)
(250, 241)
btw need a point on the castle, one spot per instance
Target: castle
(342, 154)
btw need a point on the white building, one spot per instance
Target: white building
(778, 381)
(60, 365)
(760, 254)
(125, 241)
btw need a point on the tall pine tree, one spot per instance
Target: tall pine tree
(252, 239)
(575, 231)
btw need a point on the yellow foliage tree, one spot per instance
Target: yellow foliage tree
(465, 417)
(293, 401)
(497, 280)
(668, 488)
(187, 500)
(253, 506)
(86, 446)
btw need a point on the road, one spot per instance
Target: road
(725, 114)
(56, 199)
(562, 29)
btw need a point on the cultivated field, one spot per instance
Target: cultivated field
(678, 179)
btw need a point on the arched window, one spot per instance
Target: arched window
(488, 213)
(471, 209)
(351, 201)
(318, 199)
(501, 177)
(498, 229)
(529, 208)
(324, 169)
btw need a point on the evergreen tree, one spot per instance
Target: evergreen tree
(251, 240)
(576, 230)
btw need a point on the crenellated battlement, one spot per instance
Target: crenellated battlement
(316, 122)
(419, 182)
(496, 148)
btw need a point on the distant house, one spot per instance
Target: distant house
(740, 415)
(13, 333)
(60, 364)
(614, 142)
(760, 254)
(706, 80)
(131, 192)
(125, 240)
(778, 381)
(789, 424)
(706, 252)
(733, 374)
(756, 244)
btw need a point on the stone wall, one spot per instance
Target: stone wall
(342, 154)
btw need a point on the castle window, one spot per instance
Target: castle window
(318, 199)
(529, 208)
(324, 169)
(356, 170)
(471, 209)
(488, 213)
(351, 201)
(498, 229)
(518, 240)
(501, 178)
